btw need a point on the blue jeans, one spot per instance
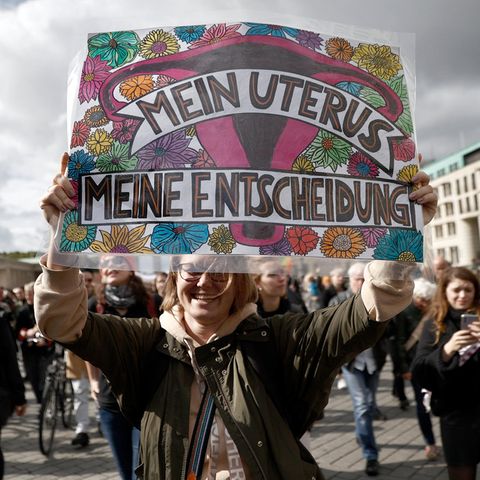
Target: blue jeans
(123, 440)
(362, 387)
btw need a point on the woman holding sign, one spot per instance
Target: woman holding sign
(197, 379)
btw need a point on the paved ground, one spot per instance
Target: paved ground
(333, 445)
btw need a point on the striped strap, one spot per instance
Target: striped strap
(201, 434)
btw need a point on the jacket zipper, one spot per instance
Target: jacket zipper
(239, 429)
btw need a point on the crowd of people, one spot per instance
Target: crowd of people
(205, 373)
(117, 289)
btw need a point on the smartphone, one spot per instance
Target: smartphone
(466, 319)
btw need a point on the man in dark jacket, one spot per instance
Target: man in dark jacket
(12, 390)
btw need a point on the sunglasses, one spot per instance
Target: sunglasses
(191, 272)
(115, 263)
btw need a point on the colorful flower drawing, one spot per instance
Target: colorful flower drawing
(302, 239)
(216, 33)
(115, 48)
(379, 60)
(124, 131)
(372, 235)
(158, 43)
(342, 242)
(189, 33)
(95, 117)
(178, 238)
(100, 141)
(76, 238)
(407, 173)
(204, 160)
(350, 87)
(169, 151)
(282, 247)
(360, 165)
(136, 87)
(339, 49)
(80, 162)
(164, 80)
(95, 72)
(303, 164)
(117, 159)
(221, 240)
(309, 39)
(399, 86)
(328, 151)
(400, 244)
(80, 133)
(270, 29)
(122, 240)
(403, 150)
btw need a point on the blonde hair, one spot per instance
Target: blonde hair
(245, 291)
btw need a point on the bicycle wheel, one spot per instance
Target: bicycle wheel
(68, 414)
(47, 419)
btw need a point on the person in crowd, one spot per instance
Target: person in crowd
(361, 375)
(5, 308)
(120, 293)
(312, 292)
(37, 351)
(447, 363)
(440, 264)
(294, 294)
(271, 283)
(12, 389)
(406, 330)
(337, 285)
(78, 374)
(20, 300)
(203, 408)
(160, 283)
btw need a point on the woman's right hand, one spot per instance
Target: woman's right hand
(58, 196)
(461, 338)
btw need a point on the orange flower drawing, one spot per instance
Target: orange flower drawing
(342, 242)
(339, 49)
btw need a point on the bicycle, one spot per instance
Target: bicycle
(57, 398)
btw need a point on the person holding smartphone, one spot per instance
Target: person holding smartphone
(447, 363)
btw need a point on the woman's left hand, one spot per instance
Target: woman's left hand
(425, 196)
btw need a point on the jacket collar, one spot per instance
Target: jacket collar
(174, 324)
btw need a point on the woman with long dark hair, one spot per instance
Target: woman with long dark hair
(447, 363)
(121, 293)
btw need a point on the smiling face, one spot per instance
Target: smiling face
(207, 297)
(460, 294)
(115, 270)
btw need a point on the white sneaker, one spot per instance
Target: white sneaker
(341, 383)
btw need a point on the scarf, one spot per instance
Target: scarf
(119, 296)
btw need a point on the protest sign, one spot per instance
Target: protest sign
(242, 139)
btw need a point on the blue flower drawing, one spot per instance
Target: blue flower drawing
(400, 244)
(178, 238)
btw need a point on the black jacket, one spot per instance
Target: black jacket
(12, 390)
(453, 387)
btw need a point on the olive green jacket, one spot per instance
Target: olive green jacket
(134, 353)
(310, 348)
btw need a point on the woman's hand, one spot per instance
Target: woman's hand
(461, 338)
(425, 196)
(58, 196)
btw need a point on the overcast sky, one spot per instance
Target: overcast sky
(39, 38)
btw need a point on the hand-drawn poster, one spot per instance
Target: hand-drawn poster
(242, 139)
